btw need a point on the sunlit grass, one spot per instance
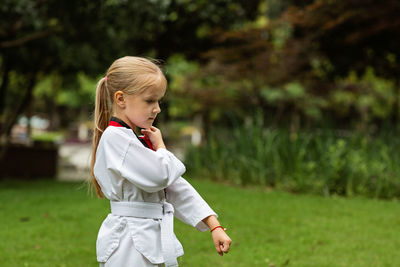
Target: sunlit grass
(48, 223)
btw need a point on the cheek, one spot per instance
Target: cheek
(148, 109)
(131, 111)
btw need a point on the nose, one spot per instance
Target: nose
(157, 108)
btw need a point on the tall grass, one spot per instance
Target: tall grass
(320, 161)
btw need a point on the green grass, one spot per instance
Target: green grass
(48, 223)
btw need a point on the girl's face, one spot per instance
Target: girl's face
(141, 109)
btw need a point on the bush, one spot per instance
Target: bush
(319, 161)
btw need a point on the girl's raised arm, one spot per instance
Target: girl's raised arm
(149, 170)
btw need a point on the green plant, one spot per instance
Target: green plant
(320, 161)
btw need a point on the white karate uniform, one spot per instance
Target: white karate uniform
(128, 172)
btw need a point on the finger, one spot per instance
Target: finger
(219, 250)
(225, 246)
(145, 131)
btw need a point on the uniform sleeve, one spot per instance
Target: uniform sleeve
(189, 206)
(149, 170)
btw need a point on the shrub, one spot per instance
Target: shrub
(319, 161)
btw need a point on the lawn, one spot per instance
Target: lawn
(49, 223)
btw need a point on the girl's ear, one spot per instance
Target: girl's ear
(119, 99)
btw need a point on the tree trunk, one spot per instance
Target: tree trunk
(12, 119)
(3, 88)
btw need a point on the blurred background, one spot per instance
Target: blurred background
(300, 95)
(270, 104)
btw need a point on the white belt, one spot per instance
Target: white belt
(163, 211)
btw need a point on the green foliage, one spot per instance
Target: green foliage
(52, 89)
(323, 162)
(203, 90)
(177, 70)
(16, 82)
(194, 91)
(295, 94)
(84, 95)
(66, 38)
(363, 99)
(329, 31)
(281, 34)
(298, 60)
(307, 61)
(51, 137)
(371, 96)
(47, 139)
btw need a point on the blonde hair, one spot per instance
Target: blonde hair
(131, 75)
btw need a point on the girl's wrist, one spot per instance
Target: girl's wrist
(211, 221)
(217, 227)
(160, 146)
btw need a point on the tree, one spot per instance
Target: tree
(313, 45)
(67, 37)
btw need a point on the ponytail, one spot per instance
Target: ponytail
(102, 115)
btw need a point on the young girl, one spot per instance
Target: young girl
(140, 177)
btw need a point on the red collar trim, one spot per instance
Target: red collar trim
(147, 142)
(117, 124)
(114, 123)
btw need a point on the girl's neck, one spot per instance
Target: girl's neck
(124, 119)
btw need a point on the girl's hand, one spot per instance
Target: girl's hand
(221, 240)
(154, 135)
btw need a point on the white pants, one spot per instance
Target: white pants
(127, 256)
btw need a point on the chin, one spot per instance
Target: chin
(145, 125)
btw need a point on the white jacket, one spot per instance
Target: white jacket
(127, 171)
